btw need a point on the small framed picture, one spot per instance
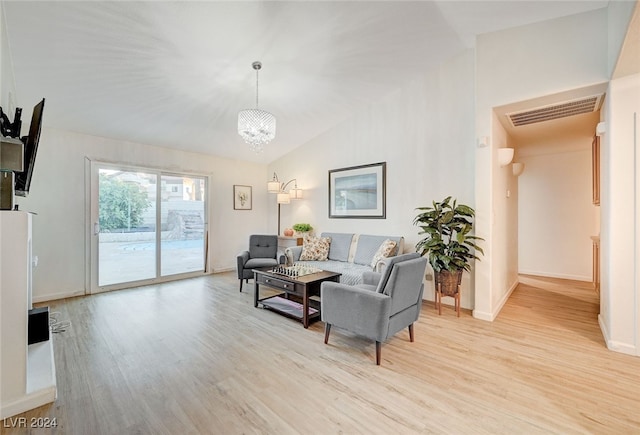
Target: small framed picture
(241, 197)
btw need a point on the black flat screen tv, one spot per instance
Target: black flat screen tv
(23, 179)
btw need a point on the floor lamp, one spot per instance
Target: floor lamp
(283, 197)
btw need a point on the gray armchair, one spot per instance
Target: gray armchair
(386, 303)
(263, 252)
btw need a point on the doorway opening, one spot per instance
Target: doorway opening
(551, 217)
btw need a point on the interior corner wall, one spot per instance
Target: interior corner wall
(424, 132)
(557, 215)
(619, 15)
(514, 65)
(57, 195)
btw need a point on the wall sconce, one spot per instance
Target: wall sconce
(283, 197)
(517, 168)
(505, 156)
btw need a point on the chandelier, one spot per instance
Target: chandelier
(256, 126)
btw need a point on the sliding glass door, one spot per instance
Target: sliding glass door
(182, 240)
(146, 226)
(127, 236)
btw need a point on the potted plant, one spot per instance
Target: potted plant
(448, 243)
(302, 228)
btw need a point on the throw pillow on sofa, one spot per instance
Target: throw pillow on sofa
(315, 248)
(385, 249)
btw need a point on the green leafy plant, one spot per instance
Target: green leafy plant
(121, 204)
(302, 228)
(448, 244)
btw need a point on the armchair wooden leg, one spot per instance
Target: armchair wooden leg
(378, 352)
(240, 285)
(411, 333)
(327, 329)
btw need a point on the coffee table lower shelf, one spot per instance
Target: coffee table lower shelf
(288, 307)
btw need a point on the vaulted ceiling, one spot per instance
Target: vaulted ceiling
(175, 74)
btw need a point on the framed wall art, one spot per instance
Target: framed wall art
(241, 197)
(358, 192)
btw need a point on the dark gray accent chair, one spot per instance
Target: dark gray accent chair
(384, 304)
(263, 252)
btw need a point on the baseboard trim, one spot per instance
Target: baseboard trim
(615, 346)
(490, 317)
(557, 275)
(482, 315)
(28, 402)
(224, 269)
(55, 296)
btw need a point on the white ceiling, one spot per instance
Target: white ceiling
(175, 74)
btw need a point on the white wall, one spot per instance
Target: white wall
(3, 53)
(58, 197)
(504, 243)
(424, 132)
(7, 80)
(515, 65)
(620, 238)
(556, 213)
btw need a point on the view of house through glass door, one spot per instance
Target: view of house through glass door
(149, 225)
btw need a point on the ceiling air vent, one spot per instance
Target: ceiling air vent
(555, 111)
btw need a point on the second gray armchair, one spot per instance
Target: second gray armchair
(386, 303)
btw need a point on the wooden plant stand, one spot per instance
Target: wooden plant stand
(451, 281)
(455, 296)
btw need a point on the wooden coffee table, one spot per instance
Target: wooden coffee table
(304, 287)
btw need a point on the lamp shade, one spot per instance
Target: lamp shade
(284, 198)
(505, 156)
(273, 186)
(295, 193)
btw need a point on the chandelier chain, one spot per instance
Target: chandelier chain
(257, 88)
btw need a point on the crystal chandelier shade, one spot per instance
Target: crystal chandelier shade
(256, 126)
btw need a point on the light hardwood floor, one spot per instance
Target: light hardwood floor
(195, 357)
